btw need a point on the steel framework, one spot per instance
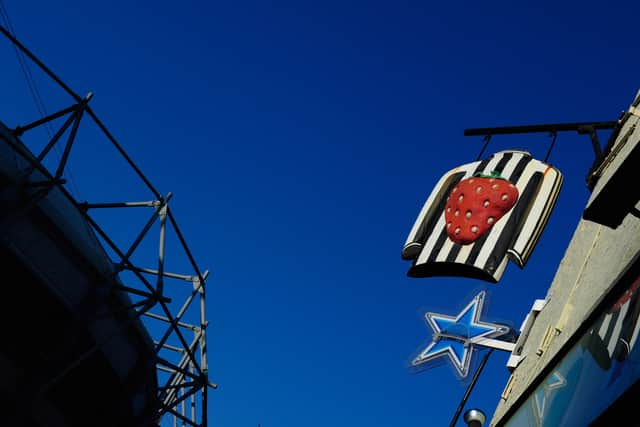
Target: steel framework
(176, 321)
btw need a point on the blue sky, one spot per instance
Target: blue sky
(300, 140)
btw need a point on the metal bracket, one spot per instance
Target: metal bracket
(582, 128)
(516, 355)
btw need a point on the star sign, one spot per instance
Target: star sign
(545, 394)
(456, 337)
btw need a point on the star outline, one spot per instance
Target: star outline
(458, 347)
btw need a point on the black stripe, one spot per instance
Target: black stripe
(477, 246)
(520, 167)
(425, 229)
(442, 237)
(475, 250)
(630, 319)
(509, 232)
(542, 222)
(612, 326)
(453, 253)
(443, 233)
(482, 165)
(455, 250)
(503, 162)
(439, 244)
(515, 175)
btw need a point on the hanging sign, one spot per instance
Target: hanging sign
(481, 214)
(456, 338)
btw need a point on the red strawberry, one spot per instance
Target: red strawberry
(476, 204)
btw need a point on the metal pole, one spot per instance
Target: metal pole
(19, 130)
(470, 388)
(183, 406)
(556, 127)
(163, 226)
(39, 63)
(198, 284)
(193, 398)
(70, 140)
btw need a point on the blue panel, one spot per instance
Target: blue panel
(593, 375)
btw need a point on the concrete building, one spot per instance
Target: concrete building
(577, 361)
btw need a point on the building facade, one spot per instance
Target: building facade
(577, 361)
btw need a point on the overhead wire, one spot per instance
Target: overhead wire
(33, 87)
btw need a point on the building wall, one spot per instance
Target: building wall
(595, 257)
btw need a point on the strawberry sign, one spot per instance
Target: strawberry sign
(476, 204)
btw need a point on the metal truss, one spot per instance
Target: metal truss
(176, 321)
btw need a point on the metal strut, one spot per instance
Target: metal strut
(467, 392)
(185, 362)
(582, 128)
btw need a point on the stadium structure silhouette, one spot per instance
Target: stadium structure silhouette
(105, 341)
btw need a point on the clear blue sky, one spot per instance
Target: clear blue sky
(300, 140)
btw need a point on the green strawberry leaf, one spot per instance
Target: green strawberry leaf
(494, 174)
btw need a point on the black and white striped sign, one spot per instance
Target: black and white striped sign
(513, 236)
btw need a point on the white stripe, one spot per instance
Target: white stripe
(541, 205)
(464, 253)
(511, 165)
(508, 170)
(617, 327)
(426, 207)
(634, 336)
(444, 251)
(439, 226)
(522, 257)
(448, 245)
(503, 265)
(605, 325)
(498, 228)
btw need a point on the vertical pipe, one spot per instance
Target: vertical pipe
(183, 408)
(203, 348)
(193, 397)
(454, 420)
(163, 227)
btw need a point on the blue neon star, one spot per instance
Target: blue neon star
(545, 394)
(455, 336)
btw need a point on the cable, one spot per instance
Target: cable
(33, 87)
(485, 139)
